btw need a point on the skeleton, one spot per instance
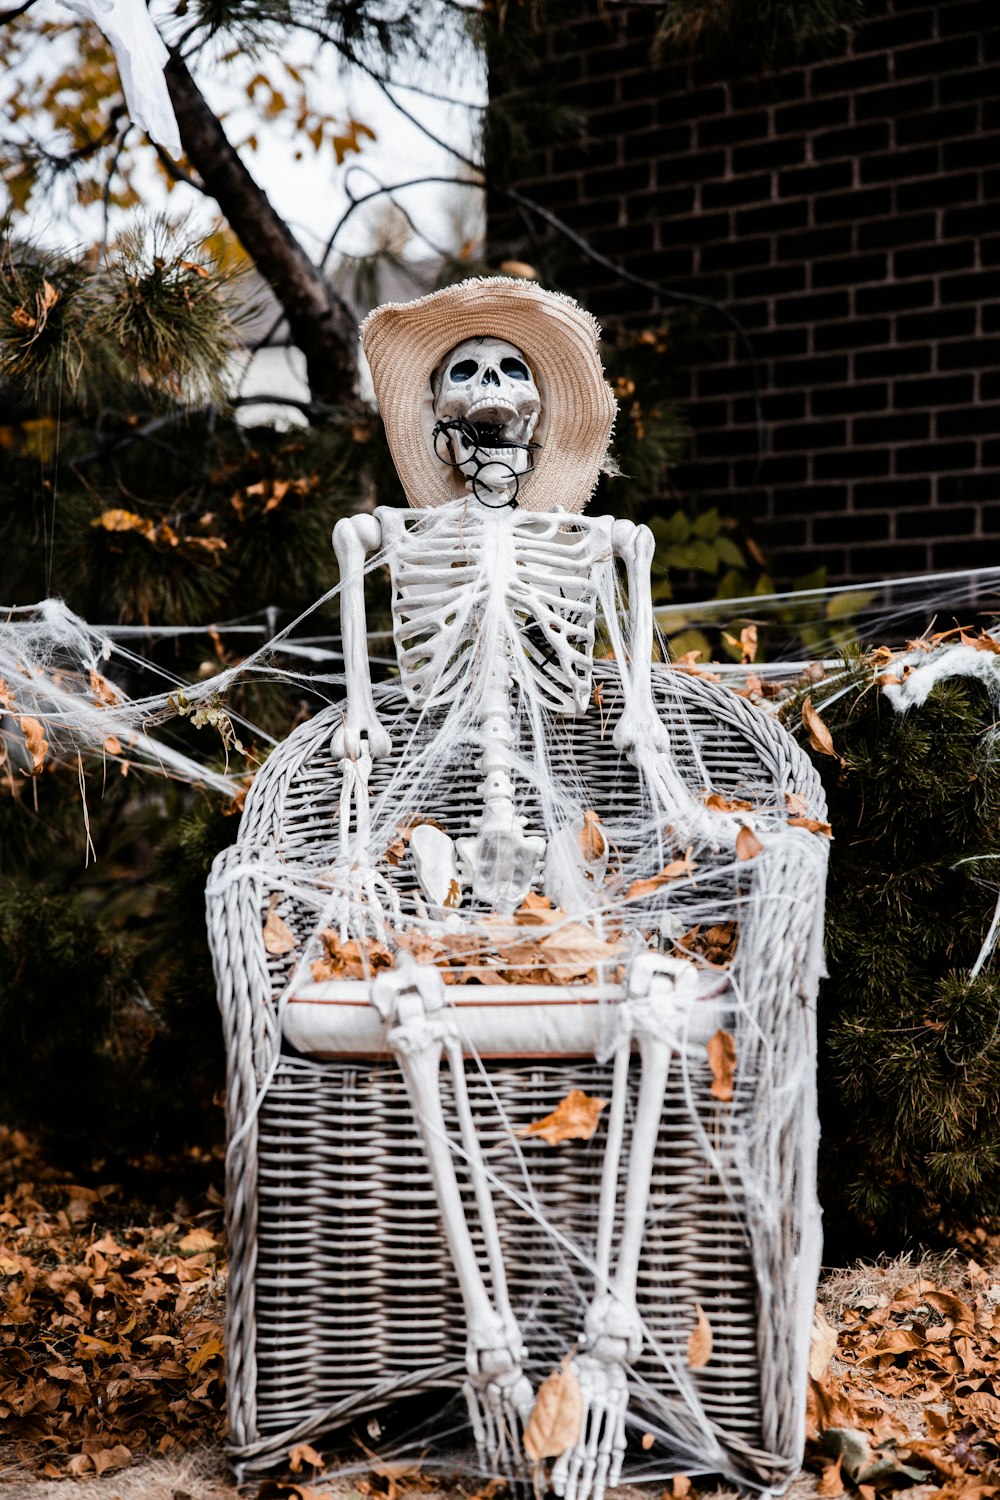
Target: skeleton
(488, 597)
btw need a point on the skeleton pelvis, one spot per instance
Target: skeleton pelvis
(500, 862)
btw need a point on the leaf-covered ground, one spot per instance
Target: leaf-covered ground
(110, 1332)
(908, 1364)
(111, 1367)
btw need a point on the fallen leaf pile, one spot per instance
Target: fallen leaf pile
(715, 944)
(910, 1392)
(110, 1341)
(539, 944)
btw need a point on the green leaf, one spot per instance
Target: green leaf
(669, 530)
(729, 554)
(707, 525)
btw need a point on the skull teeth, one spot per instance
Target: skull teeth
(491, 403)
(490, 434)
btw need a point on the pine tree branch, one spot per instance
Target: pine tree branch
(321, 325)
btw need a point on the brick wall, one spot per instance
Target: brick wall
(847, 211)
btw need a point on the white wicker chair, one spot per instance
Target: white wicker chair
(342, 1297)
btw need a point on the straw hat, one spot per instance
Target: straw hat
(405, 342)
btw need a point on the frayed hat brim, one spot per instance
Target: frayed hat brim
(405, 342)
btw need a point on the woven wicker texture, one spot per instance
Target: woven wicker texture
(342, 1296)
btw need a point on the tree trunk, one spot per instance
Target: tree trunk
(321, 325)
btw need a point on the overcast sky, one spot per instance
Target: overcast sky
(309, 193)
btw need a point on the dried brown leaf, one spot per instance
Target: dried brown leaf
(722, 1061)
(716, 802)
(677, 869)
(278, 936)
(823, 1346)
(592, 840)
(573, 950)
(200, 1357)
(717, 944)
(105, 694)
(197, 1240)
(961, 1314)
(819, 736)
(349, 960)
(980, 642)
(112, 1458)
(301, 1454)
(699, 1350)
(536, 910)
(35, 743)
(812, 824)
(557, 1415)
(748, 845)
(123, 520)
(574, 1118)
(688, 663)
(831, 1483)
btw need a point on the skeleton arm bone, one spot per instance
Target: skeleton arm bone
(639, 725)
(640, 732)
(353, 538)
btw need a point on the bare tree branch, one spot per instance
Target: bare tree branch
(320, 323)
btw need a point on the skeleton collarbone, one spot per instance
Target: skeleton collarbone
(519, 581)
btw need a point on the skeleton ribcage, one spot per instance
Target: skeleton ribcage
(526, 581)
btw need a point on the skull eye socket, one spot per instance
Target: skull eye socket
(463, 371)
(514, 369)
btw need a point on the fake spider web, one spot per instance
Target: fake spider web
(693, 898)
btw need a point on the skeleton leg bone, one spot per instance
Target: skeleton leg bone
(498, 1394)
(658, 989)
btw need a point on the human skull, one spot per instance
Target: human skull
(488, 384)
